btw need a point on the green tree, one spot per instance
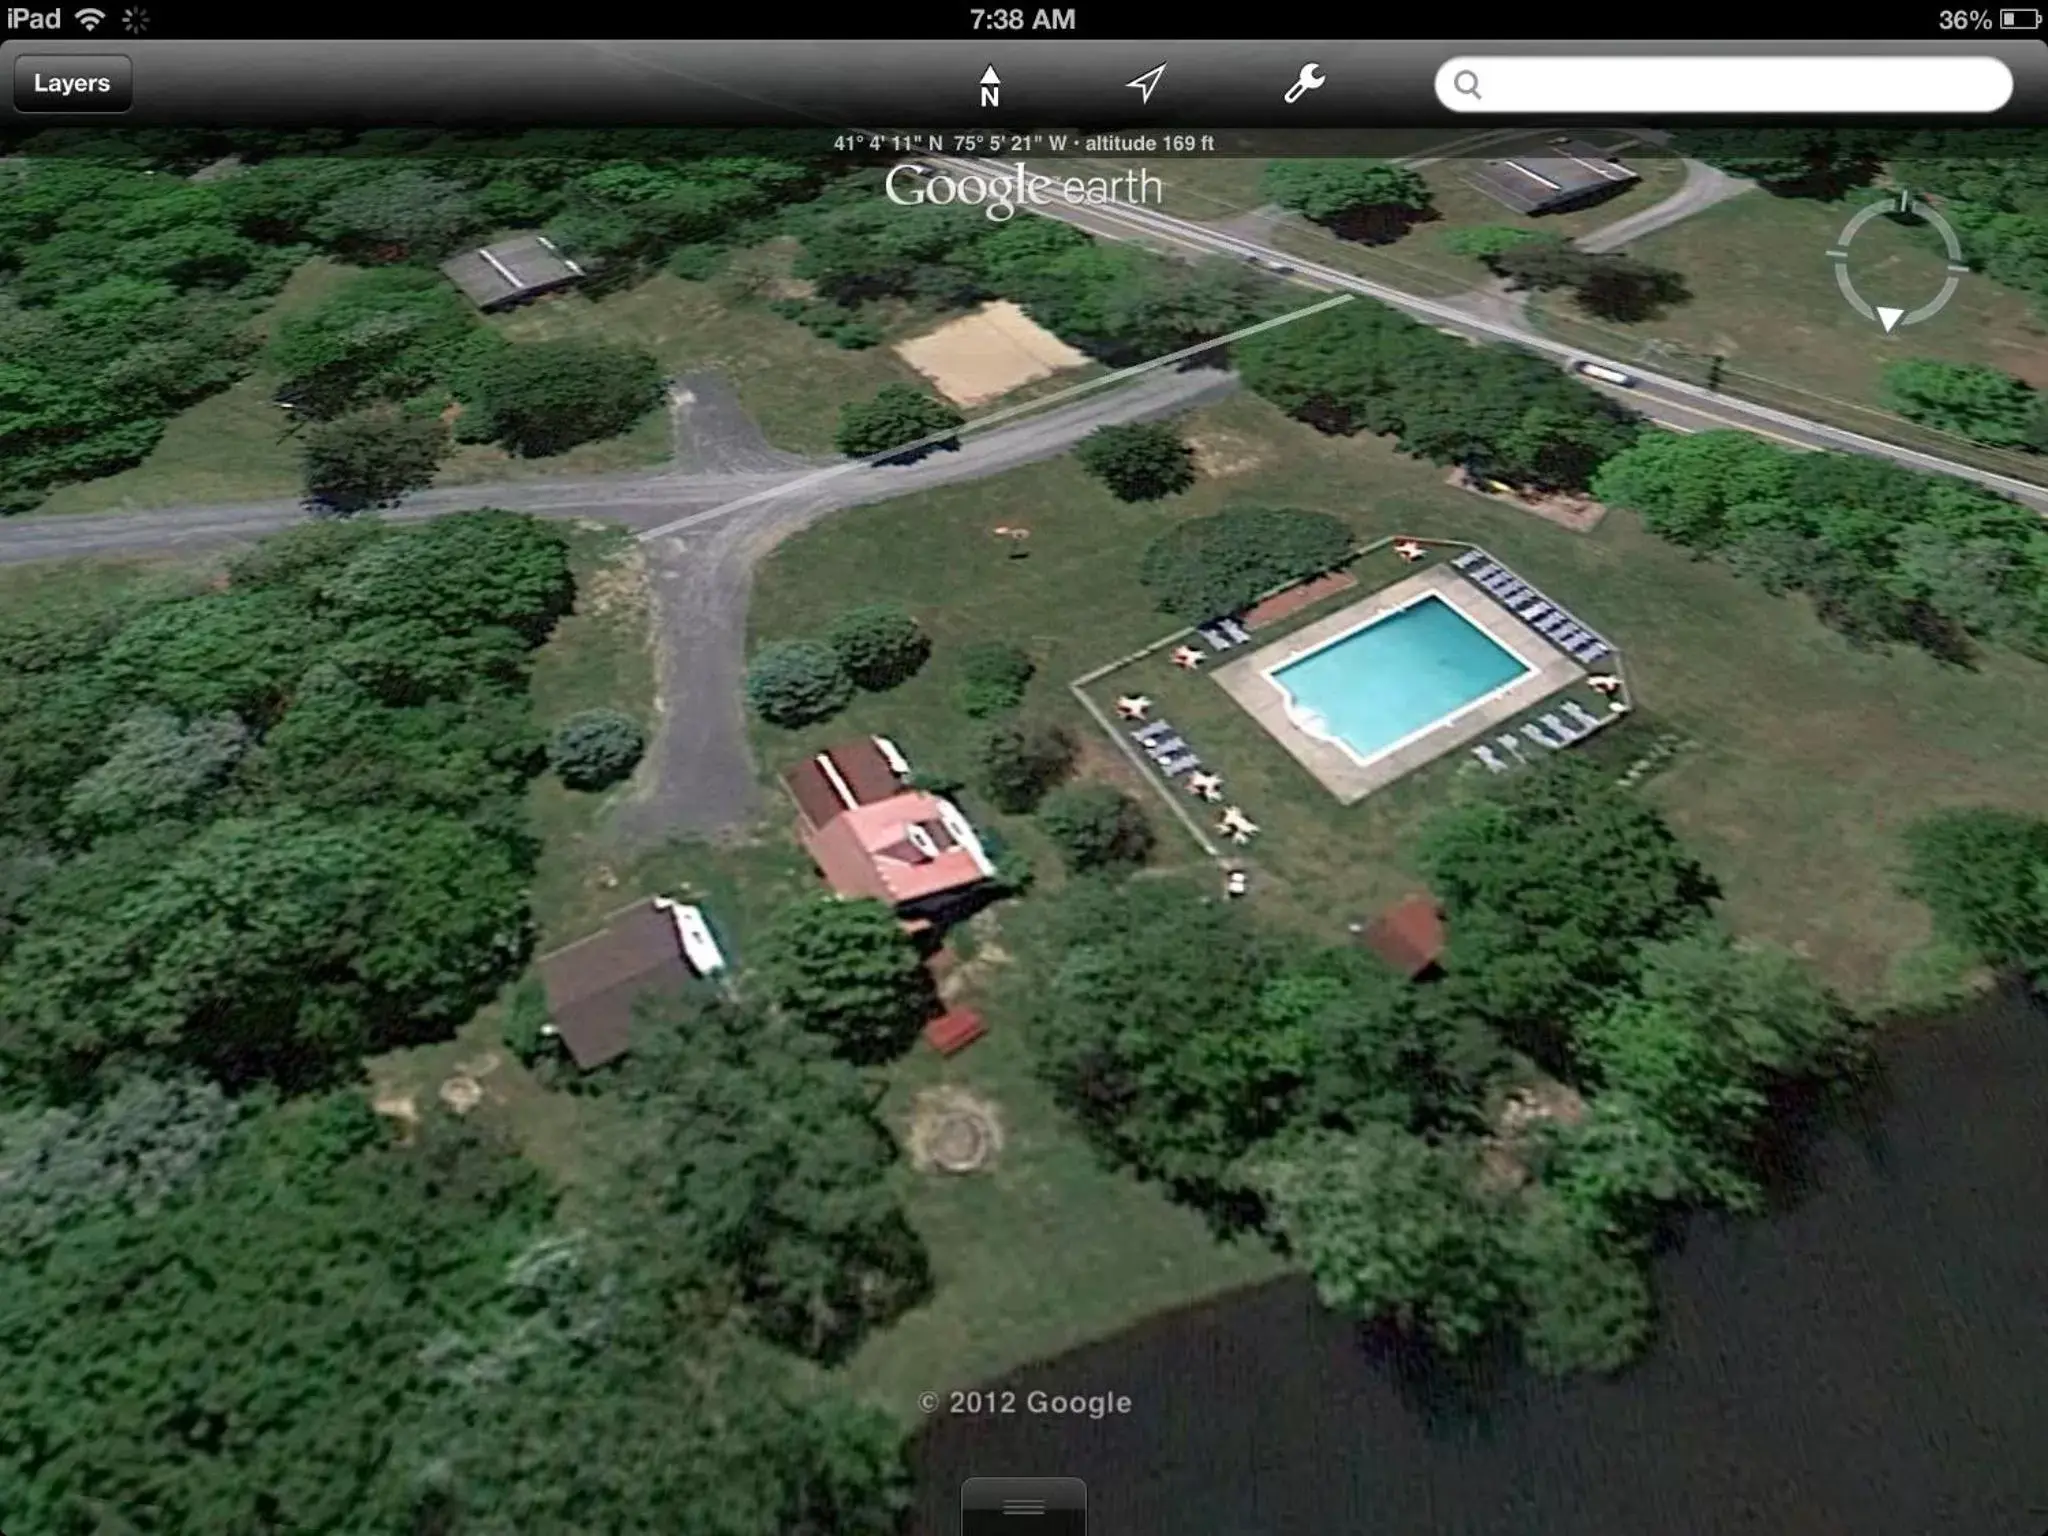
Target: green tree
(1549, 888)
(774, 1170)
(407, 213)
(283, 945)
(633, 1409)
(595, 748)
(372, 458)
(1585, 1300)
(1017, 764)
(1984, 875)
(1095, 827)
(221, 653)
(1392, 1227)
(130, 1152)
(463, 572)
(993, 676)
(387, 334)
(1222, 563)
(195, 1363)
(1360, 199)
(527, 1020)
(158, 766)
(1139, 460)
(1144, 1001)
(898, 416)
(847, 970)
(1769, 1006)
(540, 398)
(796, 682)
(879, 644)
(1682, 1071)
(1970, 400)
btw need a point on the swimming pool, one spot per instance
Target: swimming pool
(1387, 681)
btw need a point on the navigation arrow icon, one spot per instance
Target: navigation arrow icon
(1889, 317)
(1146, 83)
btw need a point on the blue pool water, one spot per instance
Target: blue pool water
(1385, 682)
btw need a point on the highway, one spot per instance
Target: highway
(1675, 402)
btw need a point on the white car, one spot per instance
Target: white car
(1606, 375)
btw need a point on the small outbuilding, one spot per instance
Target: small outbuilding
(954, 1031)
(523, 267)
(593, 984)
(1565, 173)
(1409, 936)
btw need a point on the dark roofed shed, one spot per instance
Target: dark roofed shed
(495, 276)
(593, 984)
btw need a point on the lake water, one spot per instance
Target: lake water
(1872, 1360)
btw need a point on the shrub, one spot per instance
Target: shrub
(898, 416)
(796, 682)
(697, 263)
(993, 677)
(1018, 763)
(524, 1032)
(1222, 564)
(1138, 460)
(1096, 826)
(596, 748)
(879, 645)
(370, 458)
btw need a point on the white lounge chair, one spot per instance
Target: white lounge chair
(1160, 751)
(1553, 626)
(1585, 717)
(1470, 558)
(1513, 746)
(1492, 763)
(1569, 635)
(1591, 653)
(1560, 730)
(1535, 733)
(1531, 611)
(1147, 734)
(1218, 641)
(1173, 767)
(1237, 633)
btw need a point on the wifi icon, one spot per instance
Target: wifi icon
(90, 18)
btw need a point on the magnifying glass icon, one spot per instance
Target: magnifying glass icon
(1466, 83)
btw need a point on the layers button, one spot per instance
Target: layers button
(73, 82)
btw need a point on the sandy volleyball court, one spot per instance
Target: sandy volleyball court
(981, 356)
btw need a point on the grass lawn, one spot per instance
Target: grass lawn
(1814, 754)
(234, 446)
(790, 381)
(1765, 298)
(1222, 188)
(229, 447)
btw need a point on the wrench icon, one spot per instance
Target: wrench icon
(1310, 79)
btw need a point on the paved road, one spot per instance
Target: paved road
(1702, 188)
(706, 524)
(703, 560)
(1659, 396)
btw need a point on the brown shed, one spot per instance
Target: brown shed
(1408, 936)
(593, 984)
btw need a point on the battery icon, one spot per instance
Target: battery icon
(2027, 19)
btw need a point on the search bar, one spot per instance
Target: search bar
(1723, 83)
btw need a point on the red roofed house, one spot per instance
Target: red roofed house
(872, 835)
(1408, 936)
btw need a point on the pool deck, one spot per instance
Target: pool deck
(1248, 680)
